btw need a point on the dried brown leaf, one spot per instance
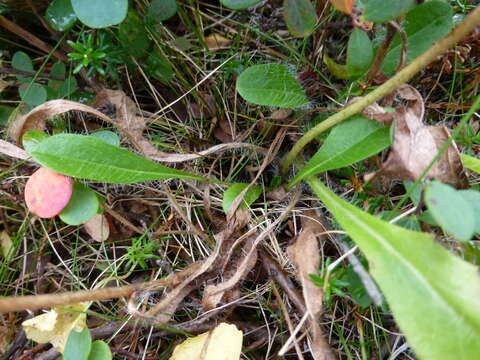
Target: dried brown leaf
(217, 42)
(97, 227)
(305, 255)
(13, 150)
(37, 117)
(415, 146)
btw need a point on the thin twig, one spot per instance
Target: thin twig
(404, 37)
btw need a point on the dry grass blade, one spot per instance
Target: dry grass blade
(12, 150)
(307, 243)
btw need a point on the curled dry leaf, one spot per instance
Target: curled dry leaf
(217, 42)
(47, 192)
(55, 325)
(97, 227)
(36, 119)
(233, 274)
(224, 342)
(12, 150)
(307, 244)
(416, 144)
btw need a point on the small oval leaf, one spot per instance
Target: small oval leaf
(161, 10)
(450, 210)
(60, 15)
(300, 17)
(22, 61)
(239, 4)
(271, 85)
(78, 345)
(83, 205)
(359, 52)
(100, 351)
(100, 14)
(33, 94)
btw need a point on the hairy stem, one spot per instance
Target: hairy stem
(463, 29)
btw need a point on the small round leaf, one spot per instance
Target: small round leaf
(100, 14)
(83, 205)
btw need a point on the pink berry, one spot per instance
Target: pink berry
(47, 192)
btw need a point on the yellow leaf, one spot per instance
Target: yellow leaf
(344, 6)
(217, 42)
(222, 343)
(5, 243)
(55, 325)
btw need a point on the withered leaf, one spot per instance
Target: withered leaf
(415, 145)
(305, 255)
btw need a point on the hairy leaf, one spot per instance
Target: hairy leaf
(300, 17)
(430, 291)
(271, 85)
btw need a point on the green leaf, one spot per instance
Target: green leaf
(450, 210)
(100, 351)
(108, 136)
(5, 112)
(239, 4)
(359, 52)
(58, 70)
(32, 138)
(429, 290)
(100, 14)
(338, 70)
(471, 163)
(161, 10)
(159, 67)
(22, 61)
(132, 35)
(60, 15)
(424, 25)
(271, 85)
(300, 17)
(68, 87)
(353, 140)
(78, 345)
(32, 94)
(473, 198)
(83, 205)
(380, 11)
(234, 190)
(87, 157)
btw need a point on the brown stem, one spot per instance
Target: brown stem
(31, 39)
(381, 53)
(404, 37)
(35, 302)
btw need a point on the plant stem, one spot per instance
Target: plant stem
(463, 29)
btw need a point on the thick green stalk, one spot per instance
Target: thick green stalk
(463, 29)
